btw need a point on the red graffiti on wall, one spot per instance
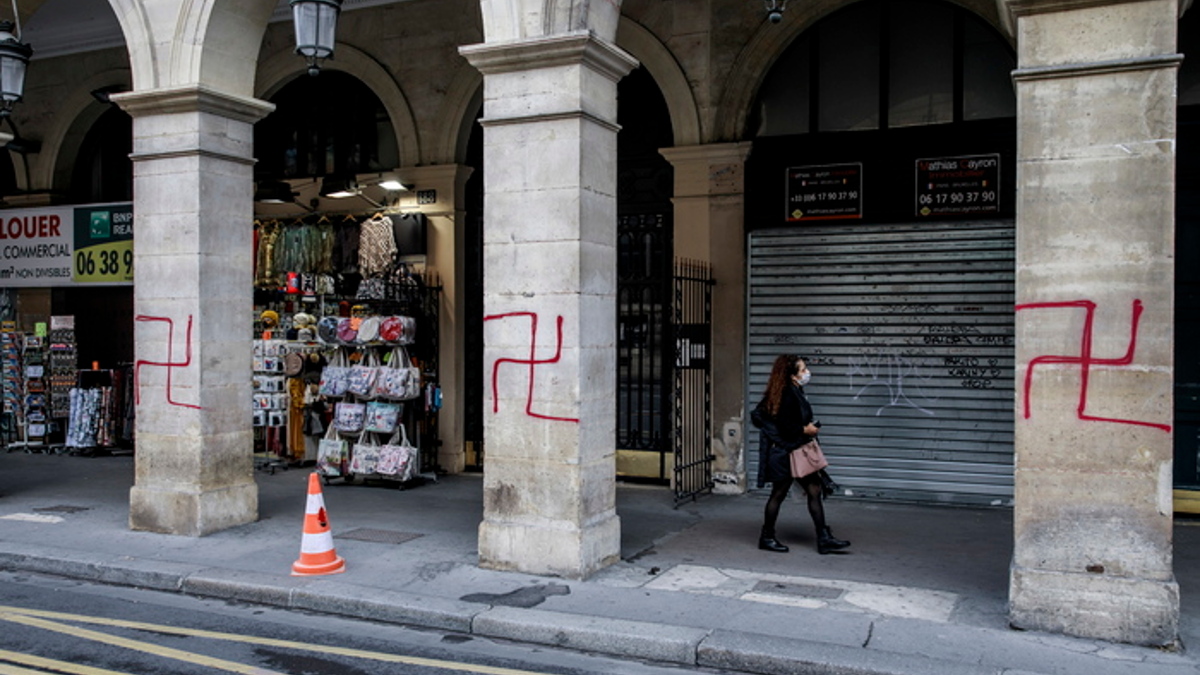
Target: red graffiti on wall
(1085, 360)
(532, 362)
(170, 364)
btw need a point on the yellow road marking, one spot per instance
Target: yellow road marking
(7, 614)
(147, 647)
(14, 670)
(51, 664)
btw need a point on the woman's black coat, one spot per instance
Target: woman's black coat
(779, 435)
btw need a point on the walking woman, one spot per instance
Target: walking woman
(785, 422)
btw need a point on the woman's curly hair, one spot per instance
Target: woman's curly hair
(786, 365)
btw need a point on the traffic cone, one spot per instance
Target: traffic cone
(317, 555)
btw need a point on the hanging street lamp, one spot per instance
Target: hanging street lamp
(14, 56)
(775, 9)
(316, 28)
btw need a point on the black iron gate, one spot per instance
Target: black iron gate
(692, 400)
(644, 345)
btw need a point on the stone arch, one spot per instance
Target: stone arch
(760, 52)
(505, 20)
(210, 42)
(654, 55)
(284, 66)
(77, 112)
(463, 99)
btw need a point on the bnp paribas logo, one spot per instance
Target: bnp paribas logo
(101, 227)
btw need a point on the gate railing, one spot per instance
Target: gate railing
(692, 400)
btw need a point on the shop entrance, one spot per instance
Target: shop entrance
(880, 207)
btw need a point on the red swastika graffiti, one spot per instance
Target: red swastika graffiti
(170, 364)
(1085, 360)
(532, 362)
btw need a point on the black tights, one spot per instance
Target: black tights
(779, 490)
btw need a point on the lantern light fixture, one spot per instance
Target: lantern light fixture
(316, 28)
(14, 57)
(775, 9)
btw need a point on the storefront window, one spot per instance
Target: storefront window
(987, 74)
(921, 72)
(103, 171)
(877, 65)
(848, 80)
(329, 124)
(783, 107)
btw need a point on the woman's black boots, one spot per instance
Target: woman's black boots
(827, 543)
(768, 542)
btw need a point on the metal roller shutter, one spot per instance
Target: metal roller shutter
(909, 334)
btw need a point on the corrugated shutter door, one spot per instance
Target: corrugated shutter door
(909, 334)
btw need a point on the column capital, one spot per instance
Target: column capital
(193, 98)
(1011, 10)
(708, 170)
(579, 47)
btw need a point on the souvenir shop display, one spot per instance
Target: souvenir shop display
(345, 286)
(270, 402)
(63, 364)
(10, 368)
(36, 414)
(373, 381)
(99, 418)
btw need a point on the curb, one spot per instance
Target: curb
(730, 650)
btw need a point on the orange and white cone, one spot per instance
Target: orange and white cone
(317, 555)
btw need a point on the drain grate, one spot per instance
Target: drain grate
(801, 590)
(379, 536)
(61, 509)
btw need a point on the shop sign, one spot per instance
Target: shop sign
(953, 186)
(44, 246)
(827, 192)
(103, 244)
(35, 247)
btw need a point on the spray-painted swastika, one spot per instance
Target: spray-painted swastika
(1085, 360)
(532, 362)
(170, 364)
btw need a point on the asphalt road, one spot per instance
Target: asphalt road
(50, 625)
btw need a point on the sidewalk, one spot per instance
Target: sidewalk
(922, 593)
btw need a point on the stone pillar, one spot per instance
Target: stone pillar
(550, 303)
(447, 258)
(1094, 322)
(710, 187)
(193, 267)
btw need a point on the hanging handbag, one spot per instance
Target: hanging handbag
(408, 384)
(382, 417)
(398, 458)
(364, 455)
(332, 454)
(348, 417)
(362, 376)
(807, 459)
(335, 377)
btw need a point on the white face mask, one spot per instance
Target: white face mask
(805, 377)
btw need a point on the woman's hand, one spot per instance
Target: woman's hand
(811, 429)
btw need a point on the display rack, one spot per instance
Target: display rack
(13, 392)
(63, 364)
(270, 402)
(34, 422)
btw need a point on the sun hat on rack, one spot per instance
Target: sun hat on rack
(368, 330)
(346, 331)
(327, 329)
(391, 329)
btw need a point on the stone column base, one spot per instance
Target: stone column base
(192, 514)
(563, 552)
(1137, 611)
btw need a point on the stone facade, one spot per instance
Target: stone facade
(1093, 516)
